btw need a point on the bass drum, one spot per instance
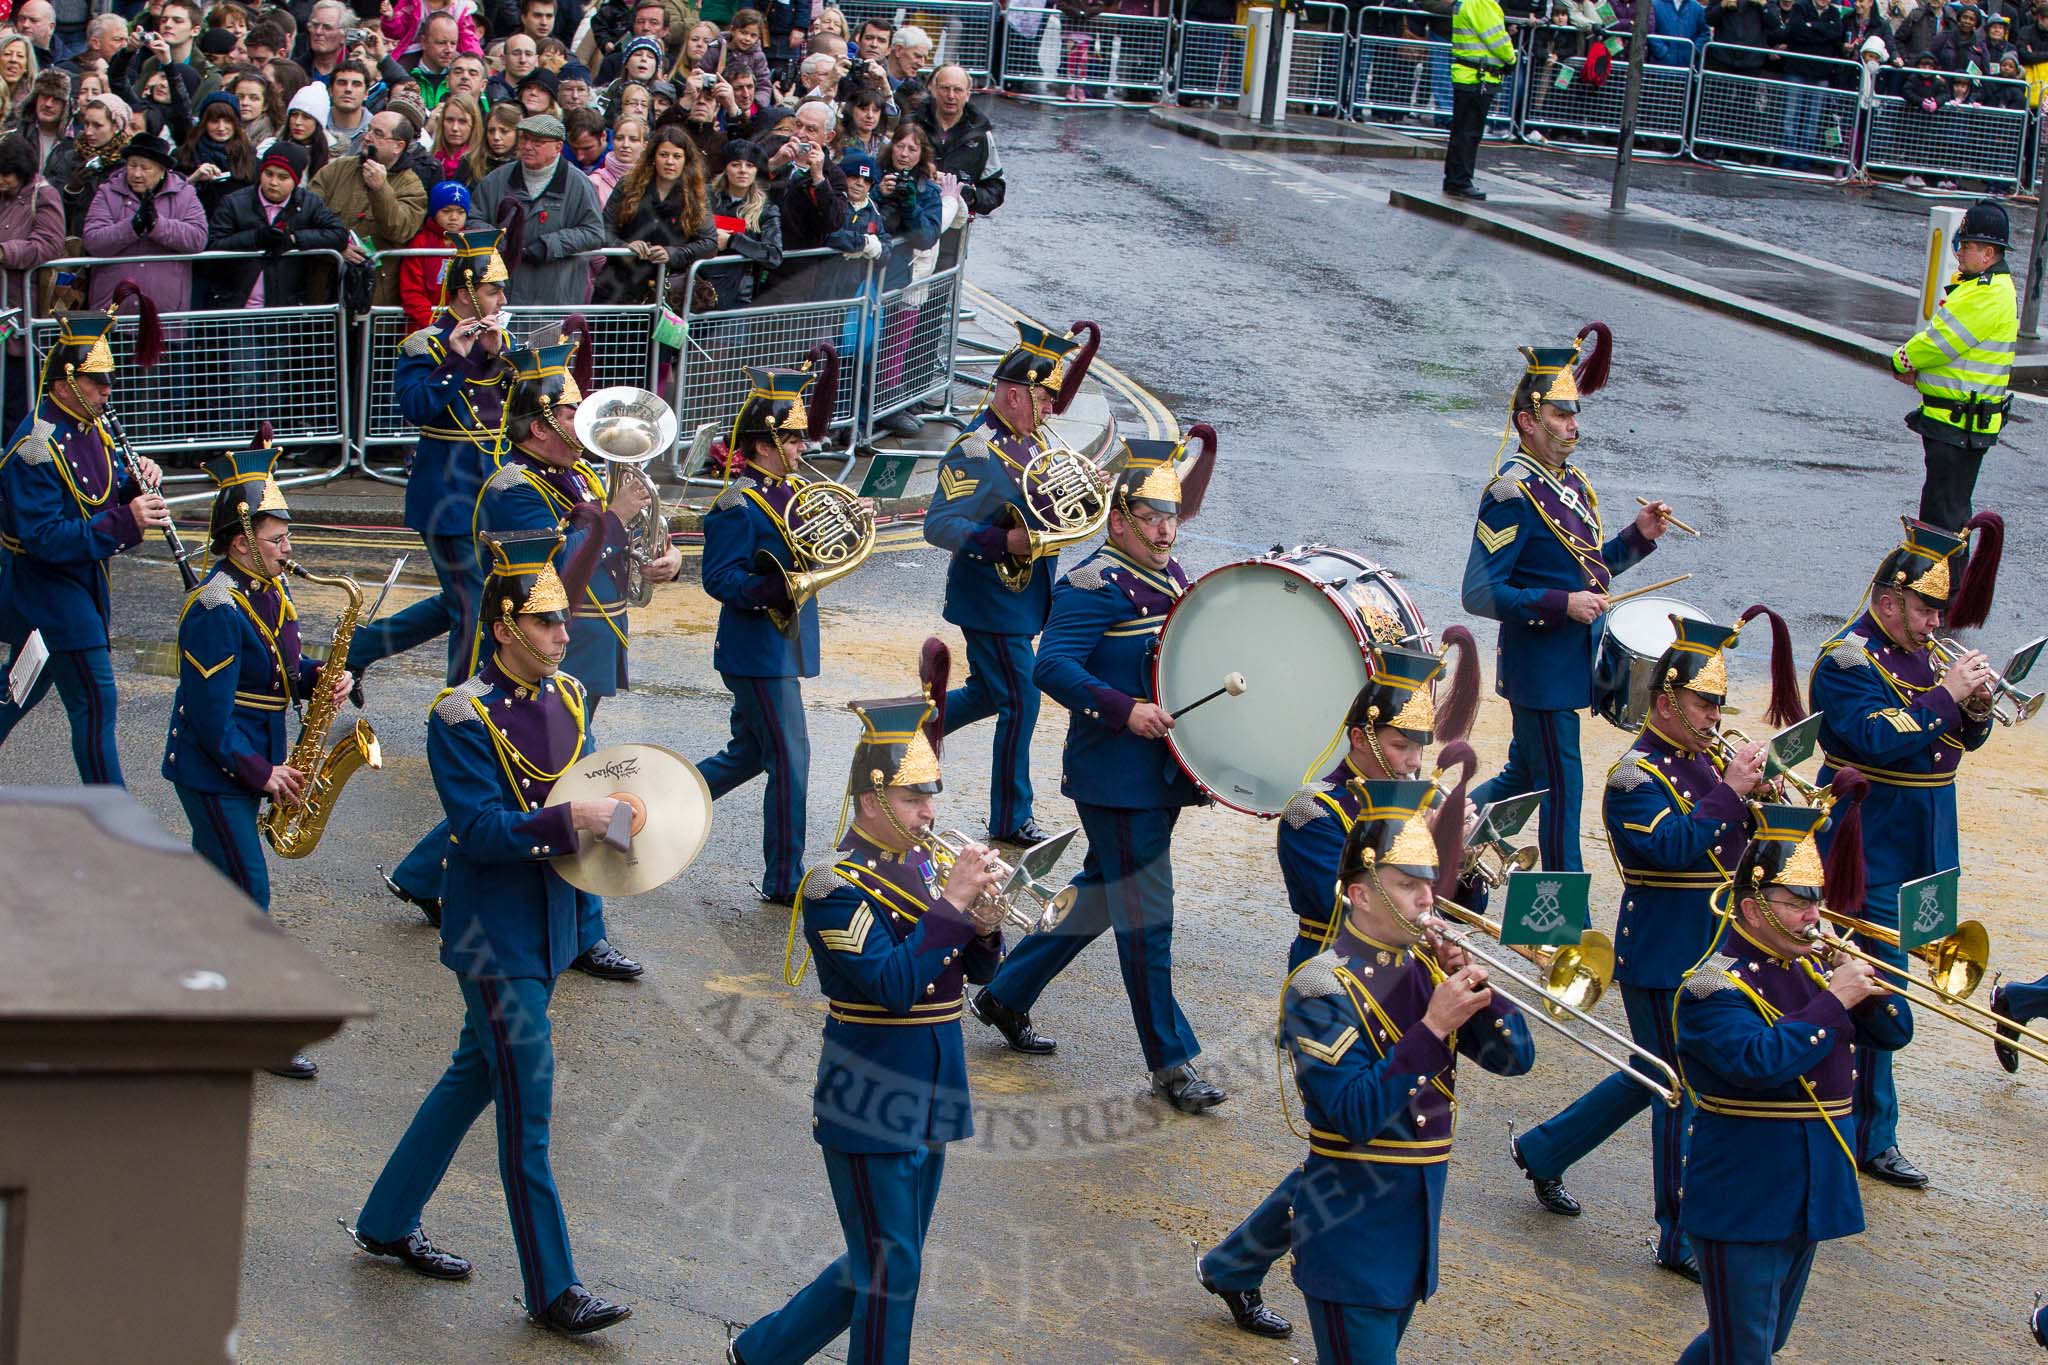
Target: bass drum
(1299, 625)
(1633, 637)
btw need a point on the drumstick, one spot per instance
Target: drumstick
(1233, 683)
(1669, 520)
(1638, 592)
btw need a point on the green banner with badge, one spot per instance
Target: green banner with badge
(1927, 908)
(888, 476)
(1545, 908)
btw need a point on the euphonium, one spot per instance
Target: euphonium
(630, 427)
(831, 531)
(293, 830)
(1068, 494)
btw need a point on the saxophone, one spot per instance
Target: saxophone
(293, 829)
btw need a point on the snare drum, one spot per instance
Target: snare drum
(1635, 636)
(1299, 626)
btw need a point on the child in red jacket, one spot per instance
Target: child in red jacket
(421, 279)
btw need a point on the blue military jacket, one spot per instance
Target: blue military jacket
(1884, 714)
(1379, 1092)
(63, 515)
(747, 518)
(1676, 831)
(977, 480)
(495, 746)
(892, 959)
(458, 403)
(1536, 543)
(1769, 1159)
(1096, 660)
(524, 494)
(1311, 843)
(239, 670)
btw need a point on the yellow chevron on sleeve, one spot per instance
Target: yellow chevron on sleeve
(953, 484)
(1645, 829)
(1495, 541)
(204, 671)
(853, 937)
(1902, 721)
(1329, 1053)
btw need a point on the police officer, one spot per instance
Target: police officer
(1095, 660)
(763, 664)
(1374, 1027)
(1677, 819)
(1481, 54)
(240, 670)
(67, 506)
(510, 926)
(998, 591)
(1960, 362)
(1893, 712)
(1539, 567)
(450, 383)
(1765, 1038)
(895, 939)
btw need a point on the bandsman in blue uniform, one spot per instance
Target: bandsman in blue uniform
(1768, 1040)
(68, 505)
(451, 382)
(510, 926)
(998, 587)
(543, 486)
(764, 649)
(895, 941)
(1374, 1026)
(1676, 811)
(240, 670)
(1897, 714)
(1539, 565)
(1096, 660)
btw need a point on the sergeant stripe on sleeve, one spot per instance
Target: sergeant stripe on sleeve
(1495, 541)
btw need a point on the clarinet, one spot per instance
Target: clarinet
(125, 453)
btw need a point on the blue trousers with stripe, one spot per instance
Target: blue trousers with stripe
(1552, 1147)
(885, 1202)
(1877, 1093)
(1544, 756)
(2027, 1001)
(769, 736)
(1126, 883)
(224, 833)
(504, 1059)
(1353, 1334)
(449, 611)
(84, 679)
(1240, 1261)
(1752, 1291)
(999, 684)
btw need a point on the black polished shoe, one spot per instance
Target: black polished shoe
(299, 1068)
(1688, 1268)
(1014, 1025)
(1180, 1087)
(607, 963)
(430, 906)
(1248, 1309)
(2038, 1324)
(2008, 1056)
(1551, 1194)
(1476, 196)
(1025, 835)
(416, 1253)
(576, 1312)
(777, 897)
(1891, 1166)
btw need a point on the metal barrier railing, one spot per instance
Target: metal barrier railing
(1402, 74)
(963, 32)
(1052, 58)
(1571, 111)
(1209, 59)
(223, 372)
(1209, 62)
(1955, 142)
(1802, 118)
(915, 340)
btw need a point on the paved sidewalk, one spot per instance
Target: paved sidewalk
(1309, 134)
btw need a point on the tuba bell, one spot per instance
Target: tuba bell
(629, 428)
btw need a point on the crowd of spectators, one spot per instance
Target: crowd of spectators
(670, 131)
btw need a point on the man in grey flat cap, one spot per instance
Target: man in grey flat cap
(562, 217)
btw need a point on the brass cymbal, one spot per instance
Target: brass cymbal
(671, 818)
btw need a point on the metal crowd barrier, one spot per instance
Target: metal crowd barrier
(963, 32)
(1955, 142)
(1570, 111)
(1109, 59)
(1209, 59)
(223, 372)
(1402, 74)
(1805, 122)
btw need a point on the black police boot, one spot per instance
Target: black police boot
(607, 963)
(416, 1253)
(1180, 1087)
(1248, 1309)
(1014, 1025)
(430, 906)
(1551, 1194)
(1892, 1167)
(576, 1311)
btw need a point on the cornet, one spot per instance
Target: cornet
(1027, 901)
(2010, 705)
(1728, 741)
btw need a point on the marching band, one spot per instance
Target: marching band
(1765, 995)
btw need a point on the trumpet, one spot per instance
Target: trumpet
(1945, 1004)
(1027, 901)
(2010, 704)
(1955, 965)
(1728, 740)
(1636, 1062)
(1069, 494)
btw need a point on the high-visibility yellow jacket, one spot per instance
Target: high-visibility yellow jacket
(1963, 359)
(1480, 48)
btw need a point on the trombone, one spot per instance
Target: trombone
(1935, 1000)
(1955, 965)
(2010, 704)
(1577, 973)
(1579, 963)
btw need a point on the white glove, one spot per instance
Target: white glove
(872, 247)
